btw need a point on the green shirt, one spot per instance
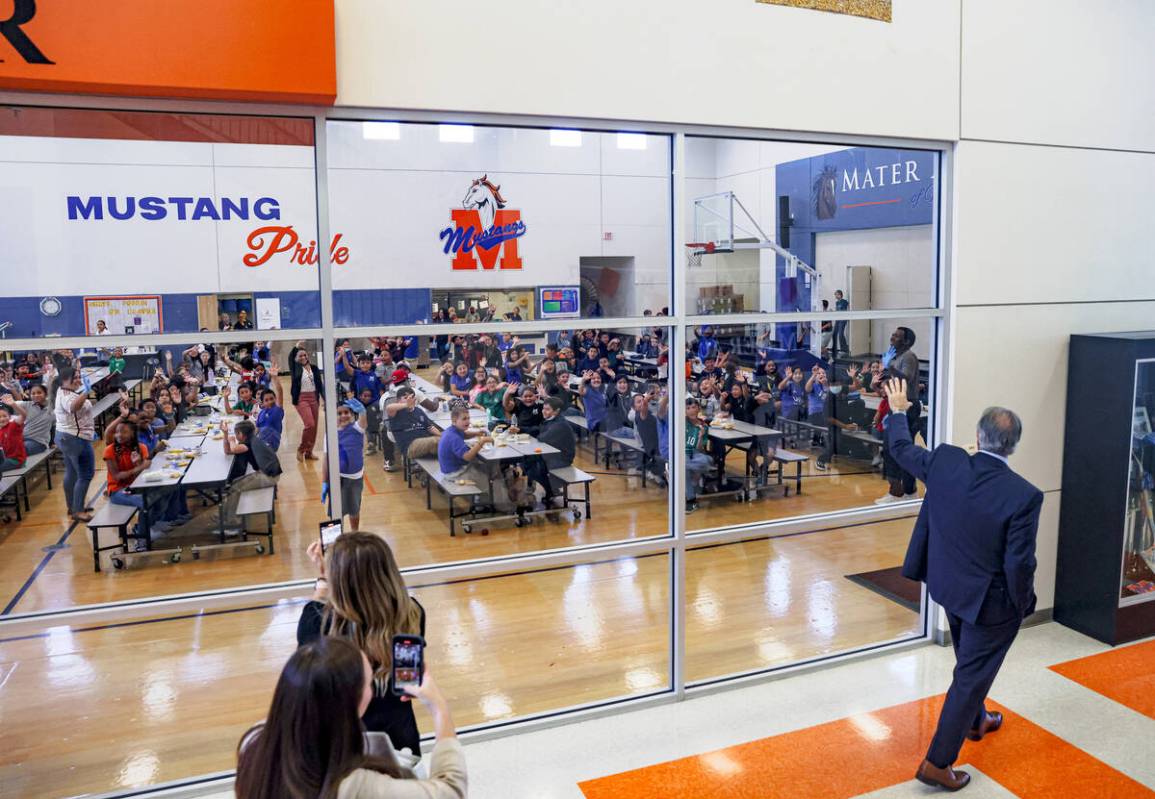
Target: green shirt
(492, 402)
(115, 365)
(693, 437)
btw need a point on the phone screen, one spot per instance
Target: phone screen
(330, 529)
(408, 662)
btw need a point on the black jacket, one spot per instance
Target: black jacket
(386, 713)
(295, 370)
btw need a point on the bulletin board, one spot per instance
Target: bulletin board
(141, 312)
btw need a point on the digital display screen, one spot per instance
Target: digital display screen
(560, 301)
(406, 663)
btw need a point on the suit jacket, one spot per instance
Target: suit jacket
(974, 541)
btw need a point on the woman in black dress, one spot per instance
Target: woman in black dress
(362, 597)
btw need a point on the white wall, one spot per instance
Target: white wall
(1059, 72)
(1052, 230)
(901, 275)
(389, 200)
(730, 62)
(748, 168)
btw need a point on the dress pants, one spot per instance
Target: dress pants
(309, 410)
(979, 651)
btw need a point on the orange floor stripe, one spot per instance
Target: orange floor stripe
(1126, 675)
(869, 752)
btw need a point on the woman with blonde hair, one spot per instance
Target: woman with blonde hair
(361, 596)
(312, 744)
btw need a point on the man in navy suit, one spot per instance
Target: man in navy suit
(974, 547)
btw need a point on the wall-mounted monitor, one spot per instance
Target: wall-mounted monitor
(558, 302)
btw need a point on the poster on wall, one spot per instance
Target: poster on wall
(125, 314)
(268, 313)
(872, 9)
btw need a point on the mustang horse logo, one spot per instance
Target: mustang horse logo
(485, 227)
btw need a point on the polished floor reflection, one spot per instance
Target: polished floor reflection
(167, 698)
(759, 604)
(855, 730)
(134, 704)
(45, 565)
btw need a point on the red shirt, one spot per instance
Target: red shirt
(124, 462)
(883, 411)
(12, 442)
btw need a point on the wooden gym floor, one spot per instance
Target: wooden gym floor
(126, 705)
(47, 565)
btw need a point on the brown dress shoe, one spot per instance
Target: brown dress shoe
(990, 723)
(948, 778)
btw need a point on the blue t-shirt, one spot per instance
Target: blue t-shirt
(594, 401)
(270, 423)
(367, 380)
(587, 364)
(461, 383)
(792, 395)
(451, 451)
(663, 438)
(149, 438)
(816, 399)
(351, 450)
(707, 346)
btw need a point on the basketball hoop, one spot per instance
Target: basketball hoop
(695, 250)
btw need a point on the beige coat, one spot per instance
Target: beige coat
(447, 779)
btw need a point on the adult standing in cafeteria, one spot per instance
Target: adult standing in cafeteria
(840, 342)
(75, 429)
(307, 389)
(974, 547)
(903, 365)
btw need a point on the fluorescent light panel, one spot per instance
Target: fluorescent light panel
(456, 134)
(631, 141)
(381, 131)
(561, 137)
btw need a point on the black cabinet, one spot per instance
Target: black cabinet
(1105, 581)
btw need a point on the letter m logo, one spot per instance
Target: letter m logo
(468, 224)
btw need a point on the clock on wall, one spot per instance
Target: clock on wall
(50, 306)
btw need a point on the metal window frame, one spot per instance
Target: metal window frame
(678, 542)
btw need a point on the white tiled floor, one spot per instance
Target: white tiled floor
(549, 764)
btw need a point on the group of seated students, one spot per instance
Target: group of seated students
(339, 724)
(257, 415)
(721, 388)
(577, 374)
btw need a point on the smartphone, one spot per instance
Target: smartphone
(408, 663)
(330, 530)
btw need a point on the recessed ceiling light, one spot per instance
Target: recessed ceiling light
(631, 141)
(457, 134)
(381, 131)
(560, 137)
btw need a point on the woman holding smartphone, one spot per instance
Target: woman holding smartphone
(313, 744)
(75, 430)
(361, 596)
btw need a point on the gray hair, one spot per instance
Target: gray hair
(999, 431)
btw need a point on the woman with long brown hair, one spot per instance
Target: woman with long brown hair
(312, 744)
(361, 596)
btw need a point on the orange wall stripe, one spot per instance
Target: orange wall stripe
(869, 752)
(1126, 675)
(262, 50)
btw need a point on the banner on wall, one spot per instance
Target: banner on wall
(127, 314)
(200, 49)
(104, 216)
